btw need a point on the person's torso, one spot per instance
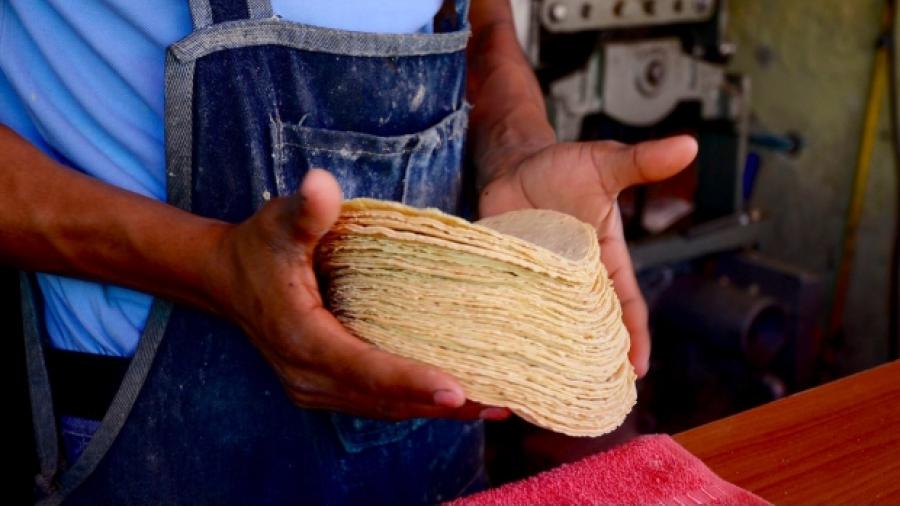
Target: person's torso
(84, 82)
(252, 104)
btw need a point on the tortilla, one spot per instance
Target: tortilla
(518, 307)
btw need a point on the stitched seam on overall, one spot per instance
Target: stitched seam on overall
(454, 124)
(349, 152)
(244, 33)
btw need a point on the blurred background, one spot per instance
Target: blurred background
(768, 265)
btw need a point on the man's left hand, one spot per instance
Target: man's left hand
(583, 180)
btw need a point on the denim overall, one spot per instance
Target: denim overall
(253, 102)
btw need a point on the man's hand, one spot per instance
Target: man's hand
(257, 274)
(520, 164)
(272, 293)
(584, 179)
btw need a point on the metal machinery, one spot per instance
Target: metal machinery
(732, 328)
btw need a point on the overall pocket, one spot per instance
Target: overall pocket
(421, 169)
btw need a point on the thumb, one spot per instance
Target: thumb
(646, 162)
(316, 205)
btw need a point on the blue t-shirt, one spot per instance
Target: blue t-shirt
(83, 81)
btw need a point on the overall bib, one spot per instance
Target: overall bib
(253, 102)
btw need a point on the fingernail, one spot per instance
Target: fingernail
(448, 398)
(494, 414)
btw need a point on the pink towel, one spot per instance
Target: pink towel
(648, 470)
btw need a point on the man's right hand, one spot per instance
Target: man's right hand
(257, 274)
(271, 291)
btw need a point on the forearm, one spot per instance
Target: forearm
(54, 219)
(509, 121)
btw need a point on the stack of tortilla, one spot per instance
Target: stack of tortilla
(518, 307)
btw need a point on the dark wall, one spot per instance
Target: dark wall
(810, 63)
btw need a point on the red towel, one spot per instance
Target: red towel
(648, 470)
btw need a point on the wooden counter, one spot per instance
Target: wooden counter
(836, 443)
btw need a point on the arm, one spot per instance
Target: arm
(258, 274)
(61, 221)
(509, 120)
(521, 165)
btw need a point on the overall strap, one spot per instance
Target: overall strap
(209, 12)
(43, 419)
(55, 486)
(462, 13)
(452, 16)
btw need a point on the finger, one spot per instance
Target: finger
(628, 165)
(316, 390)
(634, 310)
(316, 205)
(312, 389)
(330, 347)
(615, 255)
(385, 374)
